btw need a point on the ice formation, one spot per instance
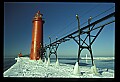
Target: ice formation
(76, 70)
(57, 63)
(48, 62)
(94, 69)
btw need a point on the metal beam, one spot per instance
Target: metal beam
(81, 30)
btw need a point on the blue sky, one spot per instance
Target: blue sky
(60, 20)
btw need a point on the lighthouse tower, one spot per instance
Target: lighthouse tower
(37, 37)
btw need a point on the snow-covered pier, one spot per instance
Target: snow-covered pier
(24, 67)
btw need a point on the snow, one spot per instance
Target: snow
(24, 67)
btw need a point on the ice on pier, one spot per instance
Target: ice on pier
(24, 67)
(57, 63)
(48, 62)
(94, 69)
(76, 70)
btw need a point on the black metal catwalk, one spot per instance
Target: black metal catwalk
(76, 36)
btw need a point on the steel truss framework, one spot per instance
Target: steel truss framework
(77, 36)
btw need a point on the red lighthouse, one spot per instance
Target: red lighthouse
(37, 37)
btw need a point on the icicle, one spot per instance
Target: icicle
(48, 62)
(76, 70)
(94, 69)
(45, 61)
(57, 63)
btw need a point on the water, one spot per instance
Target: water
(8, 62)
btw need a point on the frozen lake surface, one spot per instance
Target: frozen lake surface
(24, 67)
